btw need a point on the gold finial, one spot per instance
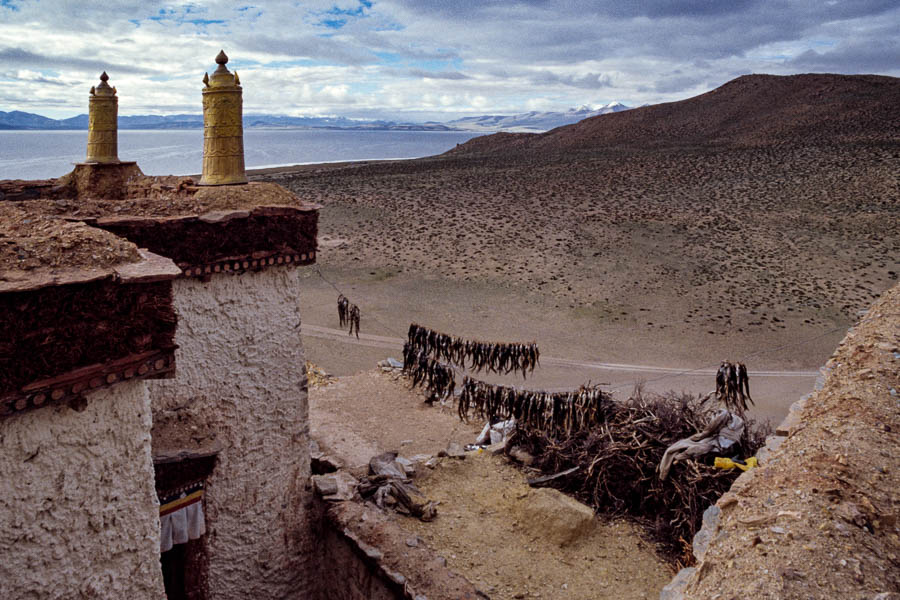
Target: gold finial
(237, 80)
(223, 133)
(103, 114)
(103, 89)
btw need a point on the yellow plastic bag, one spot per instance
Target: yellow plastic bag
(726, 463)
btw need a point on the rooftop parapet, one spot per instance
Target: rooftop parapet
(223, 132)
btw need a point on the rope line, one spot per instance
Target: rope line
(464, 372)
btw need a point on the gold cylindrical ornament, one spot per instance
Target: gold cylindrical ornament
(103, 128)
(223, 130)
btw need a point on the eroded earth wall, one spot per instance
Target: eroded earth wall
(820, 516)
(77, 502)
(241, 369)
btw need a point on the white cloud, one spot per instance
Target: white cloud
(430, 58)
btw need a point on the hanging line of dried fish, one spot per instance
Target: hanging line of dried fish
(498, 358)
(554, 413)
(343, 308)
(348, 314)
(733, 386)
(424, 370)
(354, 319)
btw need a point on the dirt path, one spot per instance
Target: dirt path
(577, 349)
(396, 344)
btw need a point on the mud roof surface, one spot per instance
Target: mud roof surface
(171, 196)
(37, 246)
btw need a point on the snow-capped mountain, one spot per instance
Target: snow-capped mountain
(534, 120)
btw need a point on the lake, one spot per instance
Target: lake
(48, 154)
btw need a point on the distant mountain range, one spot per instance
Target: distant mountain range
(750, 111)
(533, 121)
(530, 121)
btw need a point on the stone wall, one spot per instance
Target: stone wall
(79, 512)
(241, 370)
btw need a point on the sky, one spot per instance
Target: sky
(421, 60)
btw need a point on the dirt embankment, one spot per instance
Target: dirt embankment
(820, 518)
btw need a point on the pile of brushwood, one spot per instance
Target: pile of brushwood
(615, 465)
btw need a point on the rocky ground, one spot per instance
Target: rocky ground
(511, 541)
(819, 518)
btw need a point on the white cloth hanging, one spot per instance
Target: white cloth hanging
(186, 522)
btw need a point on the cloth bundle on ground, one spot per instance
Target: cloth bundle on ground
(723, 432)
(725, 429)
(495, 433)
(181, 517)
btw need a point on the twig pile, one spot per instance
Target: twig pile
(618, 460)
(496, 357)
(557, 414)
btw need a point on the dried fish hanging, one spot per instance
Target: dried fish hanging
(342, 305)
(424, 370)
(557, 414)
(348, 314)
(733, 386)
(500, 358)
(354, 319)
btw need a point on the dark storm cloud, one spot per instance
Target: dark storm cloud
(559, 31)
(18, 57)
(451, 75)
(32, 79)
(874, 56)
(677, 83)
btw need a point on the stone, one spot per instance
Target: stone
(324, 485)
(773, 443)
(707, 532)
(675, 589)
(325, 463)
(521, 455)
(336, 486)
(549, 514)
(453, 450)
(386, 464)
(408, 466)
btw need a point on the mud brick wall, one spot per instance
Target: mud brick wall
(79, 511)
(241, 365)
(350, 575)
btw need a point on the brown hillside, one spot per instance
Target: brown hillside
(752, 110)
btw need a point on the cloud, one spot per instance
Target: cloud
(450, 75)
(24, 58)
(434, 57)
(874, 56)
(32, 77)
(588, 81)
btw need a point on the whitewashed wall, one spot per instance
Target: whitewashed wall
(240, 358)
(77, 501)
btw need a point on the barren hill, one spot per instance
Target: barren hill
(752, 110)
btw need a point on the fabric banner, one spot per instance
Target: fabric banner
(181, 518)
